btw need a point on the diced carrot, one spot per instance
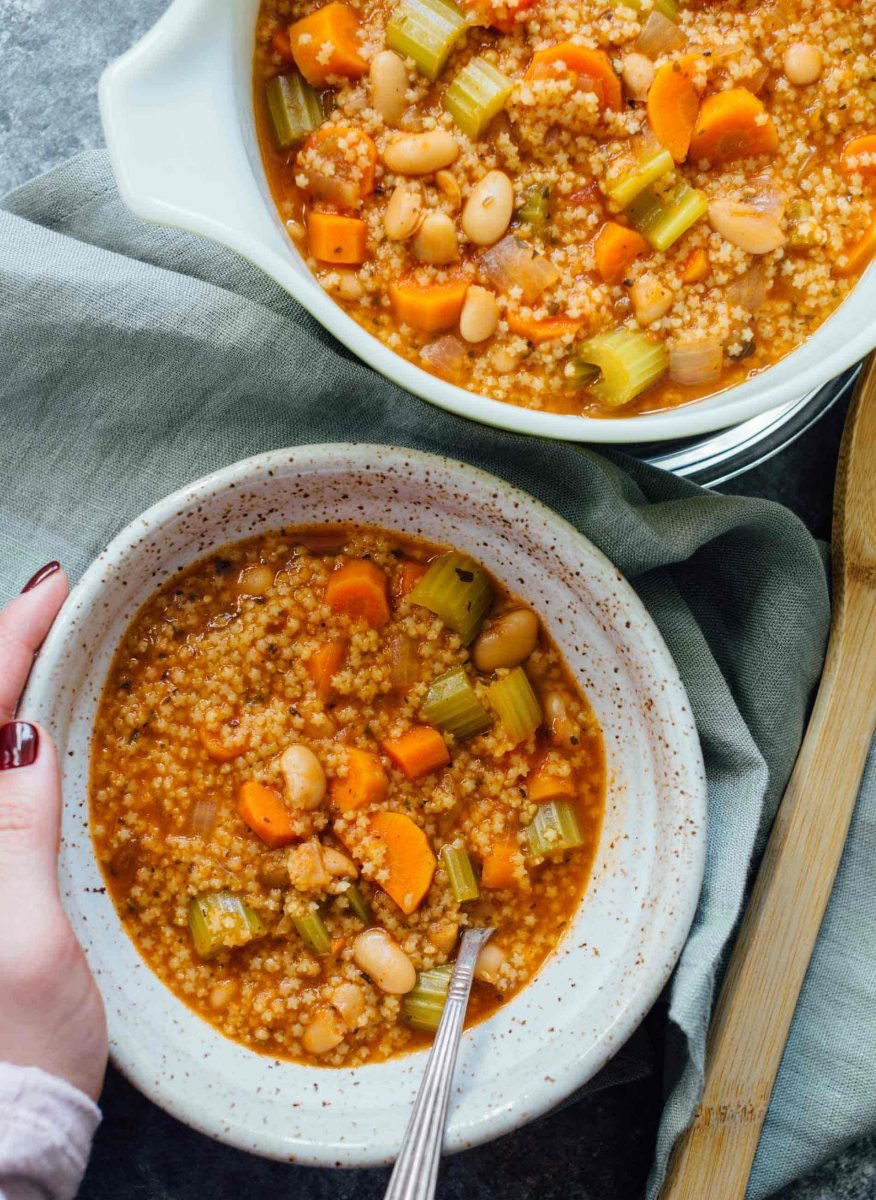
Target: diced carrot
(219, 749)
(592, 67)
(263, 810)
(859, 147)
(409, 576)
(697, 267)
(544, 785)
(338, 944)
(544, 329)
(408, 860)
(359, 589)
(280, 43)
(431, 307)
(334, 239)
(334, 26)
(339, 164)
(858, 255)
(364, 784)
(616, 247)
(324, 664)
(731, 125)
(418, 752)
(673, 104)
(497, 868)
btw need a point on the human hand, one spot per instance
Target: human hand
(51, 1013)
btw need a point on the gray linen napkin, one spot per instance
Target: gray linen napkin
(134, 359)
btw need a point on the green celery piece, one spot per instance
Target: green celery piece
(359, 906)
(222, 921)
(460, 872)
(422, 1007)
(668, 7)
(476, 95)
(451, 704)
(554, 827)
(580, 374)
(313, 932)
(662, 221)
(536, 207)
(426, 31)
(294, 108)
(647, 171)
(628, 362)
(457, 590)
(516, 704)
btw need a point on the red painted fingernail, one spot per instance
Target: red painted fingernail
(19, 745)
(42, 574)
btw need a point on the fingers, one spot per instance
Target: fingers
(24, 623)
(30, 813)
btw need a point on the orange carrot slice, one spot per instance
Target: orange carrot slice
(697, 267)
(858, 255)
(263, 810)
(498, 867)
(673, 103)
(364, 784)
(732, 125)
(408, 859)
(592, 67)
(334, 239)
(616, 247)
(429, 308)
(324, 664)
(335, 26)
(858, 148)
(218, 749)
(544, 329)
(418, 752)
(544, 785)
(408, 577)
(359, 589)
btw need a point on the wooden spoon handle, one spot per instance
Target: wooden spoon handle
(778, 933)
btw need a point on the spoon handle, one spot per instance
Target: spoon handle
(416, 1169)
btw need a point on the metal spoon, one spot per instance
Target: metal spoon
(416, 1169)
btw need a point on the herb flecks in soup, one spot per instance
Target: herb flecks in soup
(598, 209)
(319, 755)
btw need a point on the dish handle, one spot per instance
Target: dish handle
(171, 112)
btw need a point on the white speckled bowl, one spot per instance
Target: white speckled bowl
(609, 967)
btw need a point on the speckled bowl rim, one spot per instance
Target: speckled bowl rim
(565, 1075)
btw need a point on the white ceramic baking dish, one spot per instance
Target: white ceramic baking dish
(178, 116)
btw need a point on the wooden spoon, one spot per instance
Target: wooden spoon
(753, 1015)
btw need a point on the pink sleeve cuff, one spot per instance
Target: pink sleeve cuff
(46, 1127)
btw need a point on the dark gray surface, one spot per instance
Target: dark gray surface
(598, 1149)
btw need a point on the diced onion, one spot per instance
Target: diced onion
(696, 362)
(750, 289)
(514, 262)
(203, 818)
(659, 36)
(445, 356)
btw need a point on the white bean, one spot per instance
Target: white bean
(404, 211)
(338, 864)
(389, 85)
(638, 75)
(304, 777)
(255, 580)
(421, 153)
(803, 63)
(651, 299)
(489, 963)
(384, 961)
(487, 212)
(324, 1033)
(349, 1000)
(435, 240)
(449, 189)
(479, 316)
(507, 641)
(745, 226)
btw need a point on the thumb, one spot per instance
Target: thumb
(30, 811)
